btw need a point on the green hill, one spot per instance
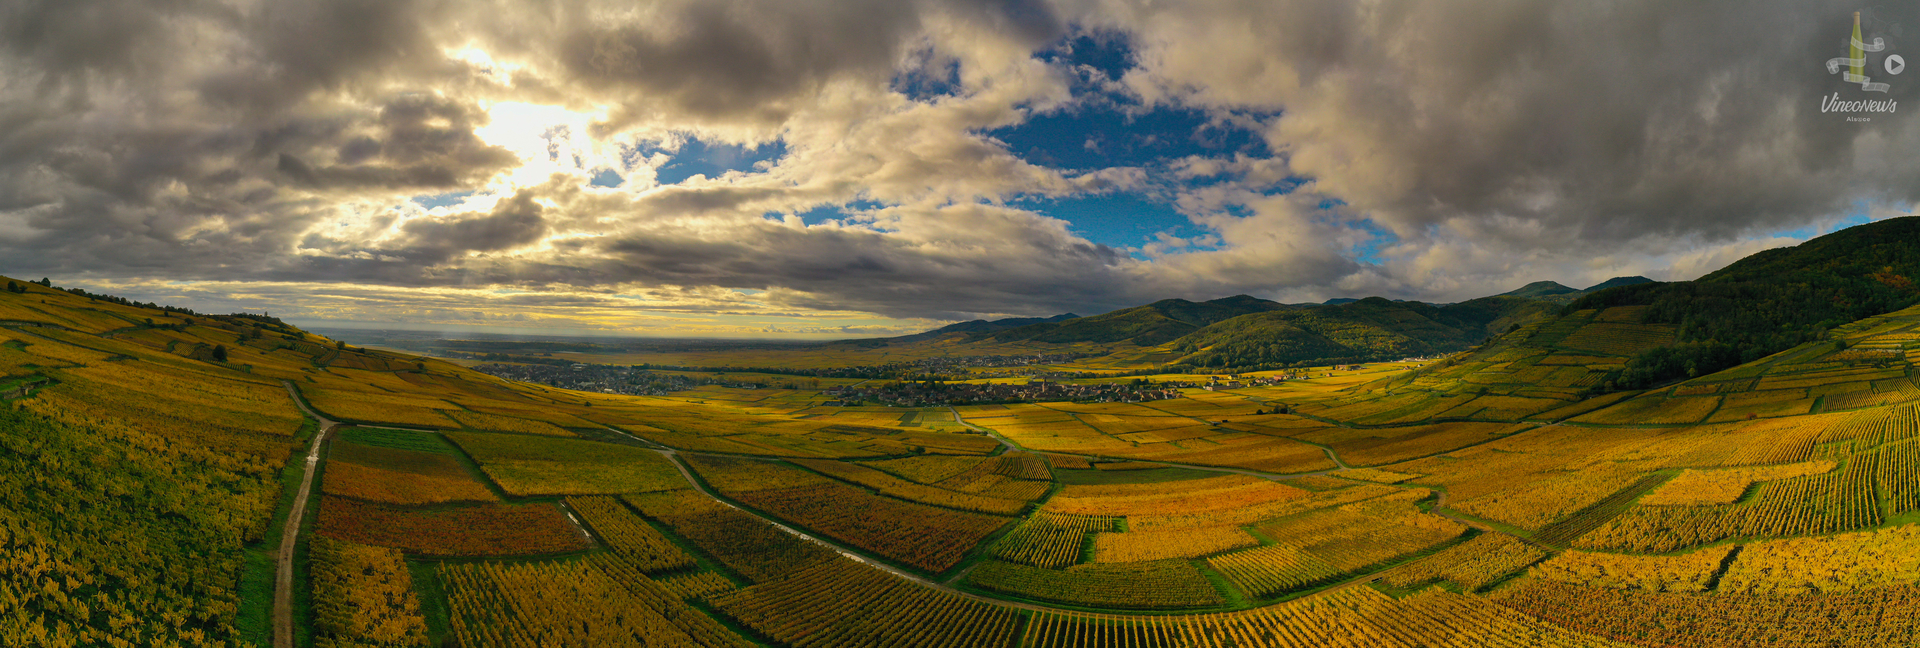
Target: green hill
(980, 326)
(1772, 300)
(1616, 281)
(1632, 336)
(1367, 330)
(1562, 294)
(1148, 325)
(1540, 289)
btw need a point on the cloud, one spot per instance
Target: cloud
(513, 222)
(1416, 150)
(1605, 122)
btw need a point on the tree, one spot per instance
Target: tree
(220, 353)
(13, 287)
(340, 344)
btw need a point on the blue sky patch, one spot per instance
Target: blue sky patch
(441, 200)
(1861, 214)
(824, 213)
(697, 157)
(1102, 136)
(819, 214)
(607, 178)
(1110, 53)
(928, 82)
(1378, 237)
(1118, 220)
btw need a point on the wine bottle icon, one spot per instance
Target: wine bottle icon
(1856, 60)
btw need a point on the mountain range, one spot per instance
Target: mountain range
(1244, 331)
(1759, 305)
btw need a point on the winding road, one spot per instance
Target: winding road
(290, 536)
(673, 456)
(283, 590)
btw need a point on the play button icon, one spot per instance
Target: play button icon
(1895, 64)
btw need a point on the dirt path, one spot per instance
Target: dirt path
(578, 526)
(673, 456)
(289, 536)
(996, 435)
(1439, 506)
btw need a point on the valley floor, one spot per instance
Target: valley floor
(289, 490)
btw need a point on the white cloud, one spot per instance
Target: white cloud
(280, 145)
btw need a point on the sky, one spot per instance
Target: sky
(845, 168)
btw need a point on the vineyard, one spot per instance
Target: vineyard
(739, 541)
(1052, 541)
(1192, 498)
(1136, 585)
(1350, 618)
(1839, 563)
(1841, 500)
(922, 536)
(1726, 485)
(1176, 543)
(896, 487)
(1690, 572)
(396, 476)
(1473, 564)
(842, 603)
(573, 603)
(363, 596)
(1273, 570)
(478, 530)
(1354, 536)
(527, 465)
(381, 408)
(1877, 617)
(927, 469)
(629, 536)
(144, 483)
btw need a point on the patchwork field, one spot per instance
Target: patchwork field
(1489, 498)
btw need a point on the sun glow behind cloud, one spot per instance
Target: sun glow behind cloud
(548, 140)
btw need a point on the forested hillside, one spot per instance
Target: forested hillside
(1363, 331)
(1148, 325)
(1772, 300)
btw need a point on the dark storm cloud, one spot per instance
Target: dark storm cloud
(513, 222)
(58, 38)
(415, 141)
(727, 59)
(1011, 264)
(1601, 122)
(732, 60)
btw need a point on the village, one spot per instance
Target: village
(929, 390)
(1041, 388)
(605, 379)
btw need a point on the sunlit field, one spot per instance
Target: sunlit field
(1470, 499)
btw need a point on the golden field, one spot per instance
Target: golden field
(1478, 493)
